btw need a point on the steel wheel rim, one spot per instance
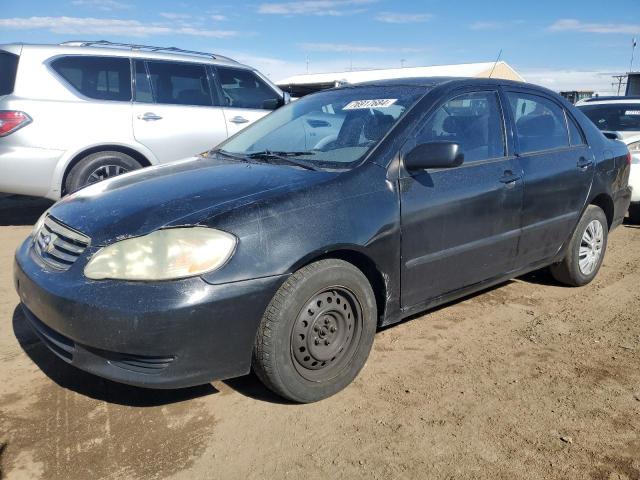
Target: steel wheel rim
(326, 334)
(591, 246)
(104, 172)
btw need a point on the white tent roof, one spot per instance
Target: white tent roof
(358, 76)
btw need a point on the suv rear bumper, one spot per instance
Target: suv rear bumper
(634, 179)
(27, 170)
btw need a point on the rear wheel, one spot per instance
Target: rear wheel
(317, 332)
(585, 251)
(97, 167)
(634, 213)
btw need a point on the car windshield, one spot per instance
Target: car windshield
(331, 129)
(619, 117)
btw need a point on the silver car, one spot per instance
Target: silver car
(79, 112)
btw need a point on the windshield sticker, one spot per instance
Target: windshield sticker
(362, 104)
(632, 112)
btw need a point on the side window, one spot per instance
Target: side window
(179, 83)
(540, 123)
(100, 78)
(142, 83)
(575, 134)
(244, 89)
(472, 120)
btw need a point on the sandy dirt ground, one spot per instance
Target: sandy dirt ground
(529, 380)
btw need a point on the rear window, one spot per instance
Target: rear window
(619, 117)
(180, 83)
(8, 69)
(100, 78)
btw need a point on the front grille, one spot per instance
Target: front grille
(58, 245)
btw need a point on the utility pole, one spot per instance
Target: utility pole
(307, 63)
(402, 60)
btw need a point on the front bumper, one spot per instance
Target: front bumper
(160, 334)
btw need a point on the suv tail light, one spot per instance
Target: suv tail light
(11, 120)
(628, 158)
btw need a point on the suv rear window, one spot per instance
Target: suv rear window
(100, 78)
(8, 69)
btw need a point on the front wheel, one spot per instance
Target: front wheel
(317, 332)
(585, 251)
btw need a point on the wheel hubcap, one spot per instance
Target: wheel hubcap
(325, 333)
(591, 247)
(104, 172)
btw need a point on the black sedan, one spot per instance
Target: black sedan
(285, 248)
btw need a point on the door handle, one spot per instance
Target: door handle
(509, 178)
(238, 119)
(584, 163)
(149, 116)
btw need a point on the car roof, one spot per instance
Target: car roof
(105, 48)
(432, 82)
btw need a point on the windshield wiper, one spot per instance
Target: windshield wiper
(224, 153)
(284, 157)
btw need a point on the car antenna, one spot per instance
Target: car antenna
(496, 63)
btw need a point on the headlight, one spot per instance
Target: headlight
(163, 255)
(634, 147)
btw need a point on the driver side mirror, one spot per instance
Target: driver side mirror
(274, 103)
(434, 155)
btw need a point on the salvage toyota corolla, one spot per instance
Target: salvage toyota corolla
(284, 249)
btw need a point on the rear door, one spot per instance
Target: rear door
(558, 171)
(460, 226)
(176, 112)
(245, 96)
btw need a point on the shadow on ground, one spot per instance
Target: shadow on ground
(20, 210)
(90, 385)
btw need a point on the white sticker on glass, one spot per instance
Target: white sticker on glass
(377, 103)
(632, 112)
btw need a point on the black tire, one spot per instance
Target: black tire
(303, 364)
(634, 213)
(568, 271)
(109, 163)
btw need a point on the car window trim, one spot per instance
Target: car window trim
(568, 118)
(134, 72)
(452, 95)
(516, 140)
(155, 98)
(73, 90)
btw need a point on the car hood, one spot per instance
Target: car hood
(186, 192)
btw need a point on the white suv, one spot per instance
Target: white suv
(620, 115)
(77, 113)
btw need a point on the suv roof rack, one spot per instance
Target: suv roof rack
(148, 48)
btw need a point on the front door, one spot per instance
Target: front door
(558, 168)
(176, 113)
(460, 226)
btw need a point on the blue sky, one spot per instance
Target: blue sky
(561, 44)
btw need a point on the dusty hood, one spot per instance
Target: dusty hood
(180, 193)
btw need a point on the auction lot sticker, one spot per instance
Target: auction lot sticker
(632, 112)
(377, 103)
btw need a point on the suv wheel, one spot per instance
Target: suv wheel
(586, 249)
(317, 332)
(634, 213)
(97, 167)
